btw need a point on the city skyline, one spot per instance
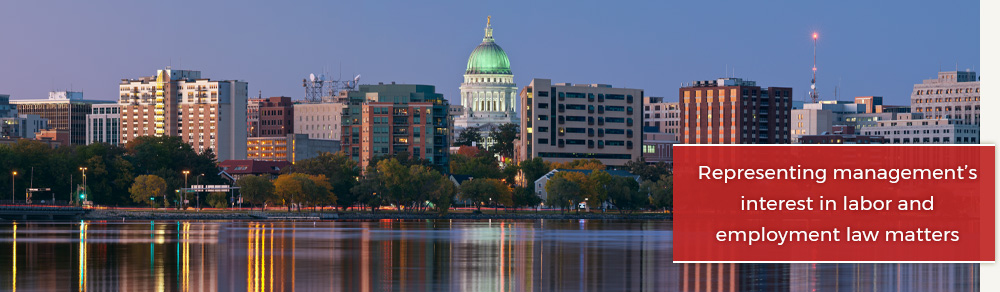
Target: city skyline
(879, 49)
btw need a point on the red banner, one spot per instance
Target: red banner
(813, 203)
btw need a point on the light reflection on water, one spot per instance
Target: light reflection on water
(420, 255)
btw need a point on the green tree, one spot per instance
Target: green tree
(661, 192)
(591, 185)
(318, 191)
(525, 197)
(218, 200)
(302, 189)
(404, 158)
(624, 194)
(468, 136)
(532, 170)
(480, 166)
(168, 157)
(424, 182)
(369, 189)
(256, 190)
(562, 192)
(646, 171)
(148, 188)
(340, 170)
(587, 164)
(503, 139)
(501, 194)
(398, 191)
(443, 194)
(483, 191)
(596, 187)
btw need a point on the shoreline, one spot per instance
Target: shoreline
(126, 215)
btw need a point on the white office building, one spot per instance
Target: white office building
(104, 124)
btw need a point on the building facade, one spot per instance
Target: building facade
(104, 124)
(661, 117)
(206, 114)
(6, 109)
(735, 111)
(912, 129)
(387, 119)
(238, 168)
(22, 126)
(65, 110)
(253, 117)
(657, 147)
(565, 122)
(488, 92)
(275, 117)
(811, 121)
(291, 148)
(841, 135)
(320, 121)
(863, 112)
(953, 95)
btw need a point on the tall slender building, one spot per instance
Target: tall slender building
(488, 93)
(204, 113)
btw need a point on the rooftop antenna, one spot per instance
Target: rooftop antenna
(836, 90)
(814, 95)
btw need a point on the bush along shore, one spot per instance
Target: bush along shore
(315, 216)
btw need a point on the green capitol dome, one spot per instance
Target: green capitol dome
(488, 57)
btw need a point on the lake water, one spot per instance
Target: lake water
(410, 255)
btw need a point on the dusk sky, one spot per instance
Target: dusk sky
(868, 47)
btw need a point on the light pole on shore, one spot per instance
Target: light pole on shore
(185, 186)
(84, 170)
(12, 188)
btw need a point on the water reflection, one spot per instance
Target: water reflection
(442, 255)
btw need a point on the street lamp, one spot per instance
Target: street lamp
(83, 197)
(185, 185)
(13, 175)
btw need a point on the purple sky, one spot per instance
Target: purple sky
(868, 47)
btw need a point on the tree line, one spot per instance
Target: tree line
(149, 171)
(111, 170)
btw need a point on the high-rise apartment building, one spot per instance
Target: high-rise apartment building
(206, 114)
(953, 95)
(66, 112)
(565, 122)
(734, 111)
(320, 121)
(387, 119)
(104, 124)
